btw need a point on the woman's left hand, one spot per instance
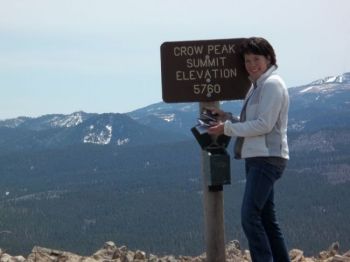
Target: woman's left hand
(217, 129)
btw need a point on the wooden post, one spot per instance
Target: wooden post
(213, 203)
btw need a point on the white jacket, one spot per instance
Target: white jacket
(265, 127)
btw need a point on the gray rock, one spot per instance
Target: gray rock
(140, 255)
(5, 258)
(107, 252)
(334, 249)
(109, 244)
(338, 258)
(233, 250)
(296, 255)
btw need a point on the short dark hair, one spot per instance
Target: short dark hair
(258, 46)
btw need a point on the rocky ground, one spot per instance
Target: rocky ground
(112, 253)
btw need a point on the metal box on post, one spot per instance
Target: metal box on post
(217, 166)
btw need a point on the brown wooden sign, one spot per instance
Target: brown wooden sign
(203, 71)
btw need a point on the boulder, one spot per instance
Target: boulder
(338, 258)
(140, 255)
(334, 249)
(296, 255)
(47, 255)
(107, 252)
(233, 249)
(347, 254)
(5, 258)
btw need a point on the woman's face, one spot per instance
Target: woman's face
(256, 65)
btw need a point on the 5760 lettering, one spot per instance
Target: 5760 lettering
(207, 89)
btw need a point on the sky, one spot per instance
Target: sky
(101, 56)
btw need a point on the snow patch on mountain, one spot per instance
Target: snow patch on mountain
(326, 88)
(67, 121)
(48, 195)
(328, 84)
(344, 78)
(322, 89)
(190, 107)
(13, 123)
(166, 117)
(122, 141)
(306, 89)
(46, 121)
(102, 137)
(297, 126)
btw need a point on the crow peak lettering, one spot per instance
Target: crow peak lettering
(195, 50)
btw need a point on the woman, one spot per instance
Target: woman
(262, 142)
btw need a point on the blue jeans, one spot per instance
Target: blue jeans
(266, 242)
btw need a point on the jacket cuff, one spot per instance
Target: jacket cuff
(228, 128)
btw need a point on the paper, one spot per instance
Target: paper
(206, 120)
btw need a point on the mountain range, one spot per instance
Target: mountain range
(77, 180)
(312, 105)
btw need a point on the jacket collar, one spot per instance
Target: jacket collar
(264, 76)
